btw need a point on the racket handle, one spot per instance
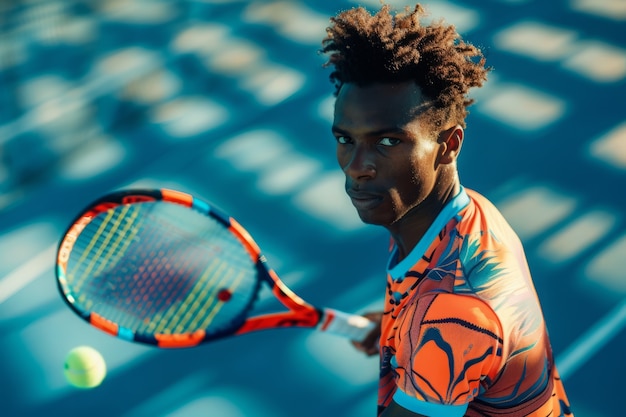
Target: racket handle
(351, 326)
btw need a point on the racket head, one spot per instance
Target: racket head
(159, 267)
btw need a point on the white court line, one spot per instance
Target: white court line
(591, 341)
(26, 273)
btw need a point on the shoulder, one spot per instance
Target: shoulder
(487, 246)
(480, 199)
(481, 215)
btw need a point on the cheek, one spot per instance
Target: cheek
(424, 162)
(340, 156)
(426, 152)
(416, 181)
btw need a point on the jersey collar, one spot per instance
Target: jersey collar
(449, 211)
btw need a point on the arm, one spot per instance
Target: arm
(438, 370)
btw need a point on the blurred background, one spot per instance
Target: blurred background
(228, 100)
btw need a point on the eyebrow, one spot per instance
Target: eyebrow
(378, 132)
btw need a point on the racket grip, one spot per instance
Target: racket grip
(351, 326)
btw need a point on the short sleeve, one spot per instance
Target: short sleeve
(448, 347)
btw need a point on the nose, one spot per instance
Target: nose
(358, 162)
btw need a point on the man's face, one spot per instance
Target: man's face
(389, 158)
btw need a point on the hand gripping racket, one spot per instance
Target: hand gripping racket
(162, 267)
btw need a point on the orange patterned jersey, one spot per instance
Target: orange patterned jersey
(463, 333)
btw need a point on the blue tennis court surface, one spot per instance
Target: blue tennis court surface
(228, 100)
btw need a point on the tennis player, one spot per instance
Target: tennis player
(462, 332)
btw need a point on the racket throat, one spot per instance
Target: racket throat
(309, 317)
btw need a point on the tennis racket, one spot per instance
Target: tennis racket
(164, 268)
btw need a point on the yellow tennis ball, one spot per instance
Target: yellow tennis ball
(84, 367)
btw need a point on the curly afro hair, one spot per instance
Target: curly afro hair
(388, 48)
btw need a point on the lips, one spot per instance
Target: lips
(363, 200)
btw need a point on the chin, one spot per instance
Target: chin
(371, 218)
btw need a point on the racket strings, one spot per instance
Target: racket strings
(101, 251)
(155, 268)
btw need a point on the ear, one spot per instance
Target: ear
(450, 141)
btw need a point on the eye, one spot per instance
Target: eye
(388, 141)
(343, 140)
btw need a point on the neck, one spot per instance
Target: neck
(407, 231)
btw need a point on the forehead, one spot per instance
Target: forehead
(378, 106)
